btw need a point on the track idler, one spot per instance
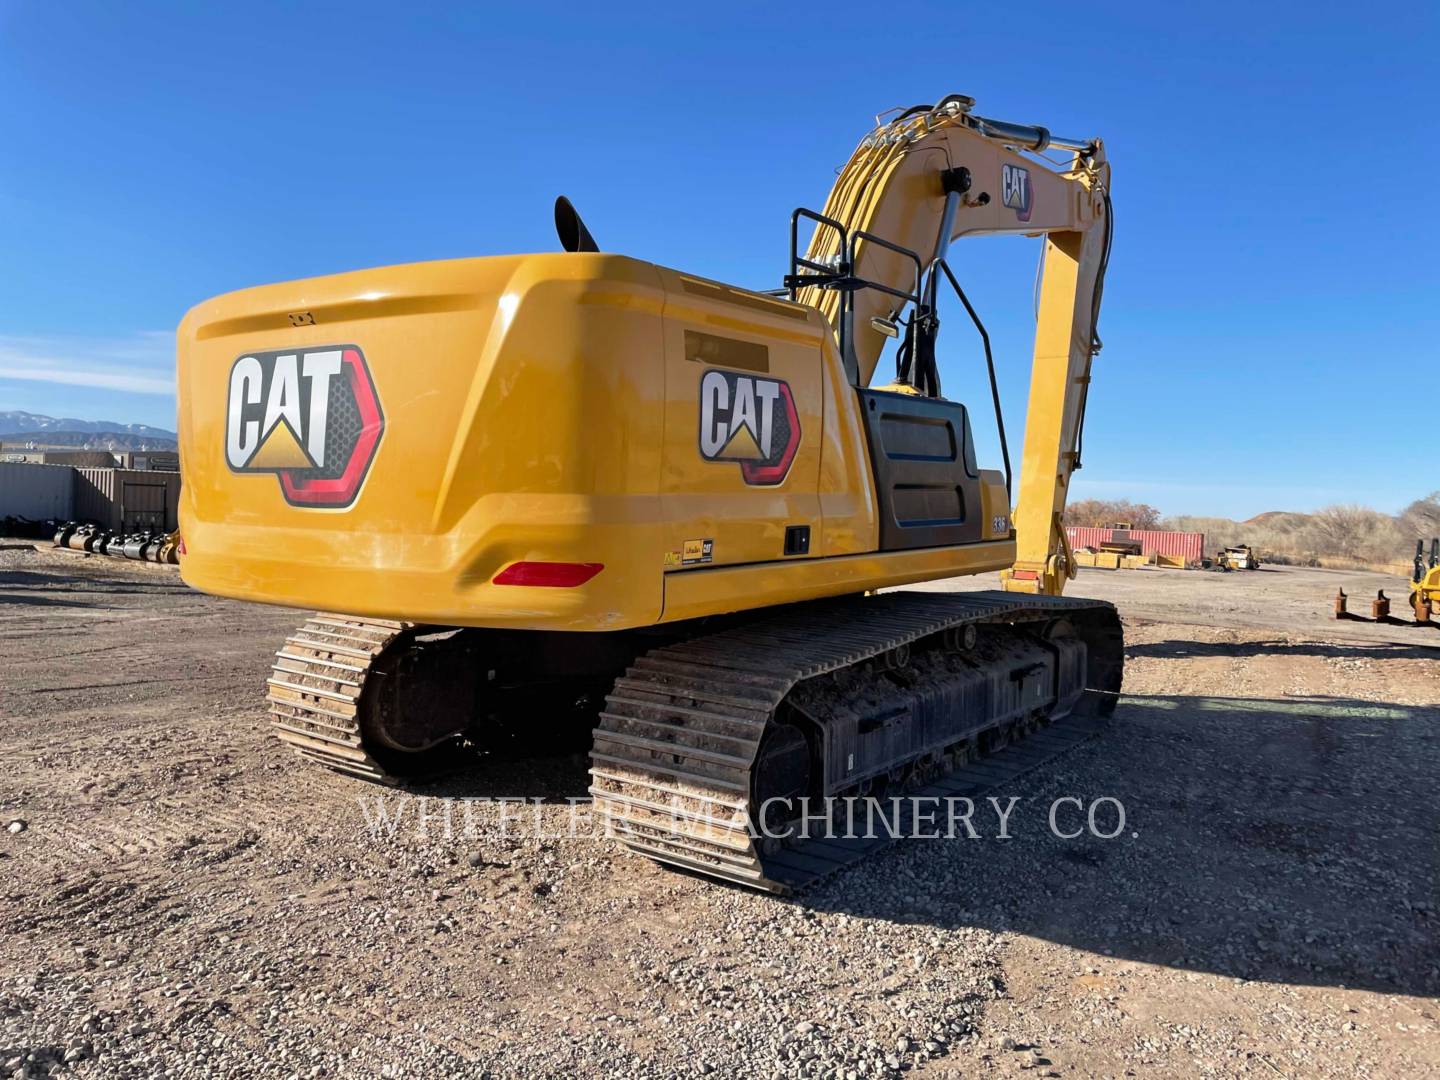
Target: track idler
(375, 698)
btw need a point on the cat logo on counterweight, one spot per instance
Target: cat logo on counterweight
(310, 417)
(751, 420)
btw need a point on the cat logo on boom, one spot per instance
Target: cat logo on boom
(310, 417)
(1015, 190)
(751, 420)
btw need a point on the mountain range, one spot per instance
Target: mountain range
(23, 427)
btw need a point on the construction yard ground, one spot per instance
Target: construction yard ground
(181, 896)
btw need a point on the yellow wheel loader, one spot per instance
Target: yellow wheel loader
(529, 489)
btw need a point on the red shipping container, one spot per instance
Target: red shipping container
(1189, 546)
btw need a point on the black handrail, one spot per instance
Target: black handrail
(793, 281)
(842, 278)
(990, 366)
(861, 234)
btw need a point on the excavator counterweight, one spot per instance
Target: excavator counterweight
(579, 488)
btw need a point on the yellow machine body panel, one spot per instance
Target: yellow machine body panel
(1429, 585)
(631, 444)
(1426, 590)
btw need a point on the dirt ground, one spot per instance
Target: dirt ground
(182, 897)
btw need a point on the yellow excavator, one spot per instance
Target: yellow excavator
(526, 490)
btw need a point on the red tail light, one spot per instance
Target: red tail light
(555, 575)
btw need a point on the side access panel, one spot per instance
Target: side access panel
(927, 488)
(744, 423)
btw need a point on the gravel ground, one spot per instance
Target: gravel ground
(184, 898)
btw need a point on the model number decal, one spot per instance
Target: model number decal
(750, 420)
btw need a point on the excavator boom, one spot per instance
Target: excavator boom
(933, 175)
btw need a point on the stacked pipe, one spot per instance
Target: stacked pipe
(155, 547)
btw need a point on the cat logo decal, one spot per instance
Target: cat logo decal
(1015, 190)
(308, 416)
(751, 420)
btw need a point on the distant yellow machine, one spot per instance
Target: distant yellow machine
(1425, 581)
(531, 488)
(1237, 558)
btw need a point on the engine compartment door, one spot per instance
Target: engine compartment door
(744, 423)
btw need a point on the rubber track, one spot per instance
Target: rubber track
(672, 754)
(315, 686)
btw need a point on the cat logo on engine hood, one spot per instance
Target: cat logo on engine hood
(751, 420)
(310, 417)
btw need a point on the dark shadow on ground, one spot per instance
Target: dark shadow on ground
(555, 778)
(86, 583)
(1290, 841)
(43, 601)
(1189, 649)
(549, 763)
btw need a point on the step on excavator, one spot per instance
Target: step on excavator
(532, 491)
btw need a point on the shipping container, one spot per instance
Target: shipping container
(1188, 546)
(127, 500)
(36, 492)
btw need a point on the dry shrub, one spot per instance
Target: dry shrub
(1343, 536)
(1219, 532)
(1102, 513)
(1422, 517)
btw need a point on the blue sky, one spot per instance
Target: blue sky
(1270, 315)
